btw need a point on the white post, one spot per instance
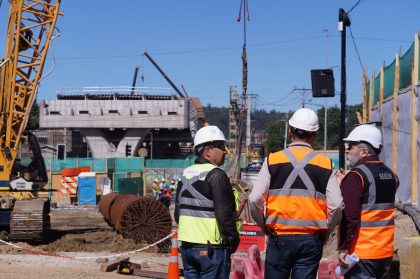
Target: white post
(285, 134)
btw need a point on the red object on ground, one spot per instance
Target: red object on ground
(327, 268)
(251, 234)
(249, 266)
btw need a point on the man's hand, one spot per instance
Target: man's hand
(233, 243)
(340, 174)
(341, 258)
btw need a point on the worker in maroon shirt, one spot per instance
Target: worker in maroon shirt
(368, 189)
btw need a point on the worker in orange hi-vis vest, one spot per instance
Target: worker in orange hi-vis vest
(296, 200)
(367, 227)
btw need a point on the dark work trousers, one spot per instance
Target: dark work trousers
(293, 256)
(370, 269)
(200, 262)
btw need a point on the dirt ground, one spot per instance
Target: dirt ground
(81, 232)
(76, 232)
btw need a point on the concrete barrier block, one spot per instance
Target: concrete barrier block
(409, 254)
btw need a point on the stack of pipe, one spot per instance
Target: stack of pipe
(137, 218)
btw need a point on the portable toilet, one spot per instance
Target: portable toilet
(86, 192)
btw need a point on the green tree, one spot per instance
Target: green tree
(333, 128)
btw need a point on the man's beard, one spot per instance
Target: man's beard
(352, 160)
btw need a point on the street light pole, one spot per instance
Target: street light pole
(343, 22)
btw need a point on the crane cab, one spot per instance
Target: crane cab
(29, 172)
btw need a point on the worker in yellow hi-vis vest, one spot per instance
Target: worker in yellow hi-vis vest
(205, 210)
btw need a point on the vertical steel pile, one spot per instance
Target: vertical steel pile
(137, 218)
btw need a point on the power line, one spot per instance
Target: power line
(354, 6)
(225, 48)
(283, 98)
(357, 51)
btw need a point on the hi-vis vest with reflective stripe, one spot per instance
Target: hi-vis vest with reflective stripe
(296, 201)
(197, 221)
(375, 237)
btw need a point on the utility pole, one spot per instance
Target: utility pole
(325, 121)
(325, 99)
(303, 97)
(343, 22)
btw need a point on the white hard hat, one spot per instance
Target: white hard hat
(208, 134)
(368, 133)
(305, 119)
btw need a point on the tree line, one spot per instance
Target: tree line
(274, 124)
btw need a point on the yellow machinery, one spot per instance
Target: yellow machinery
(30, 30)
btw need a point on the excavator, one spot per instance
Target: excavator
(23, 213)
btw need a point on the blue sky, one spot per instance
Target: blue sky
(199, 43)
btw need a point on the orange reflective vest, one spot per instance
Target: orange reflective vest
(375, 237)
(296, 200)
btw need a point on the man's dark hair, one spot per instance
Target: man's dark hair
(301, 133)
(199, 150)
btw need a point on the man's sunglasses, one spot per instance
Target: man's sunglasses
(349, 145)
(220, 146)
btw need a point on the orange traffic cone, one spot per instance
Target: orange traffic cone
(173, 268)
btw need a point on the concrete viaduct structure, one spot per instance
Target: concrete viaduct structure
(114, 123)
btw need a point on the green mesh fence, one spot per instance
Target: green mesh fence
(170, 163)
(406, 62)
(376, 89)
(389, 76)
(95, 164)
(125, 164)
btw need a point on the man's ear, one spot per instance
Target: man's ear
(365, 152)
(206, 152)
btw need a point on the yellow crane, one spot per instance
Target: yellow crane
(31, 27)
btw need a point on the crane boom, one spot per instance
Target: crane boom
(30, 29)
(164, 75)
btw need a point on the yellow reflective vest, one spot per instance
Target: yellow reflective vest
(197, 220)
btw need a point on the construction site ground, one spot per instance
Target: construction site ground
(82, 232)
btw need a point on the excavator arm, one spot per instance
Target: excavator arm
(30, 29)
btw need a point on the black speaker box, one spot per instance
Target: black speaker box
(322, 83)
